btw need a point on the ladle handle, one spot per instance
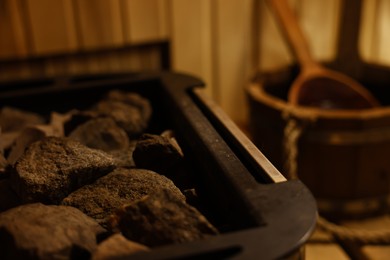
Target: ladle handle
(295, 37)
(348, 58)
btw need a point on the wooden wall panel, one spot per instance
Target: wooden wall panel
(367, 31)
(375, 37)
(273, 51)
(383, 39)
(212, 40)
(13, 38)
(99, 23)
(192, 40)
(320, 20)
(145, 20)
(52, 26)
(221, 41)
(233, 48)
(312, 15)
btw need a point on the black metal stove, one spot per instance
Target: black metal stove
(260, 214)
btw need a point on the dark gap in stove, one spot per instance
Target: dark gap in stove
(99, 77)
(223, 205)
(22, 85)
(224, 253)
(256, 170)
(214, 192)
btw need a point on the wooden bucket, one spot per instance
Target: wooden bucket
(342, 156)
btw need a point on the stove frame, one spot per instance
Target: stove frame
(268, 217)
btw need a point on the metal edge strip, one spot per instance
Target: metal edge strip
(245, 142)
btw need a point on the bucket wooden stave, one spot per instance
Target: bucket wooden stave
(342, 156)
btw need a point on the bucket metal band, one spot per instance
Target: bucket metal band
(360, 137)
(354, 207)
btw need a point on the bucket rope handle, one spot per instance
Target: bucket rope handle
(359, 235)
(292, 132)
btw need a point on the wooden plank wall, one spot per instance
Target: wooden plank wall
(37, 35)
(221, 41)
(226, 41)
(42, 27)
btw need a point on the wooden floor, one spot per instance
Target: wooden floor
(323, 245)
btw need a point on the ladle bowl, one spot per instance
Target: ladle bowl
(328, 89)
(317, 86)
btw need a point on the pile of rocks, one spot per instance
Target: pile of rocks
(92, 183)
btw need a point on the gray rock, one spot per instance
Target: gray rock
(162, 154)
(36, 231)
(53, 167)
(3, 167)
(132, 99)
(157, 153)
(126, 116)
(160, 218)
(122, 186)
(124, 158)
(14, 119)
(116, 247)
(101, 133)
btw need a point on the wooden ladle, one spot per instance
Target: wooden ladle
(317, 86)
(348, 57)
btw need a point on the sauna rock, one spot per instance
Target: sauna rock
(53, 167)
(130, 111)
(161, 218)
(37, 231)
(14, 119)
(122, 186)
(117, 246)
(101, 133)
(157, 153)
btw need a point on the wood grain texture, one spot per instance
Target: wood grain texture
(233, 47)
(367, 32)
(214, 40)
(319, 24)
(383, 55)
(145, 20)
(52, 26)
(99, 23)
(192, 39)
(273, 51)
(13, 43)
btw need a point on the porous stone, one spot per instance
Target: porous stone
(117, 247)
(53, 167)
(159, 219)
(37, 231)
(122, 186)
(101, 133)
(14, 119)
(157, 153)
